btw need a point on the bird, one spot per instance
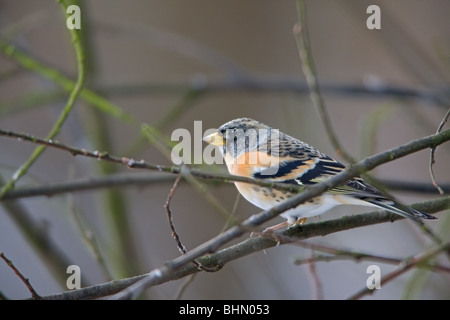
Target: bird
(253, 149)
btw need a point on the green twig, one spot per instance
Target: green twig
(63, 116)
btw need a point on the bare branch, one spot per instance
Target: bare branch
(30, 288)
(175, 236)
(432, 152)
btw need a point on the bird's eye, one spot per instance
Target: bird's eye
(222, 133)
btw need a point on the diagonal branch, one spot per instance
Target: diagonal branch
(27, 283)
(250, 245)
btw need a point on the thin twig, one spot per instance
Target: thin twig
(432, 152)
(191, 277)
(304, 47)
(175, 236)
(30, 288)
(316, 284)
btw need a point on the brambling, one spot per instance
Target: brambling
(253, 149)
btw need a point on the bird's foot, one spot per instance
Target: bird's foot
(270, 231)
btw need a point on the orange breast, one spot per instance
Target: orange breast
(245, 164)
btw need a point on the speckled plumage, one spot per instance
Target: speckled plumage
(253, 149)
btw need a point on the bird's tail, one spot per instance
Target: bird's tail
(401, 210)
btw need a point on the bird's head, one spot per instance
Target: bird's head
(240, 135)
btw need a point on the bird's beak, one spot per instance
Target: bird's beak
(215, 139)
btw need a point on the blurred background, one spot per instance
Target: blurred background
(169, 63)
